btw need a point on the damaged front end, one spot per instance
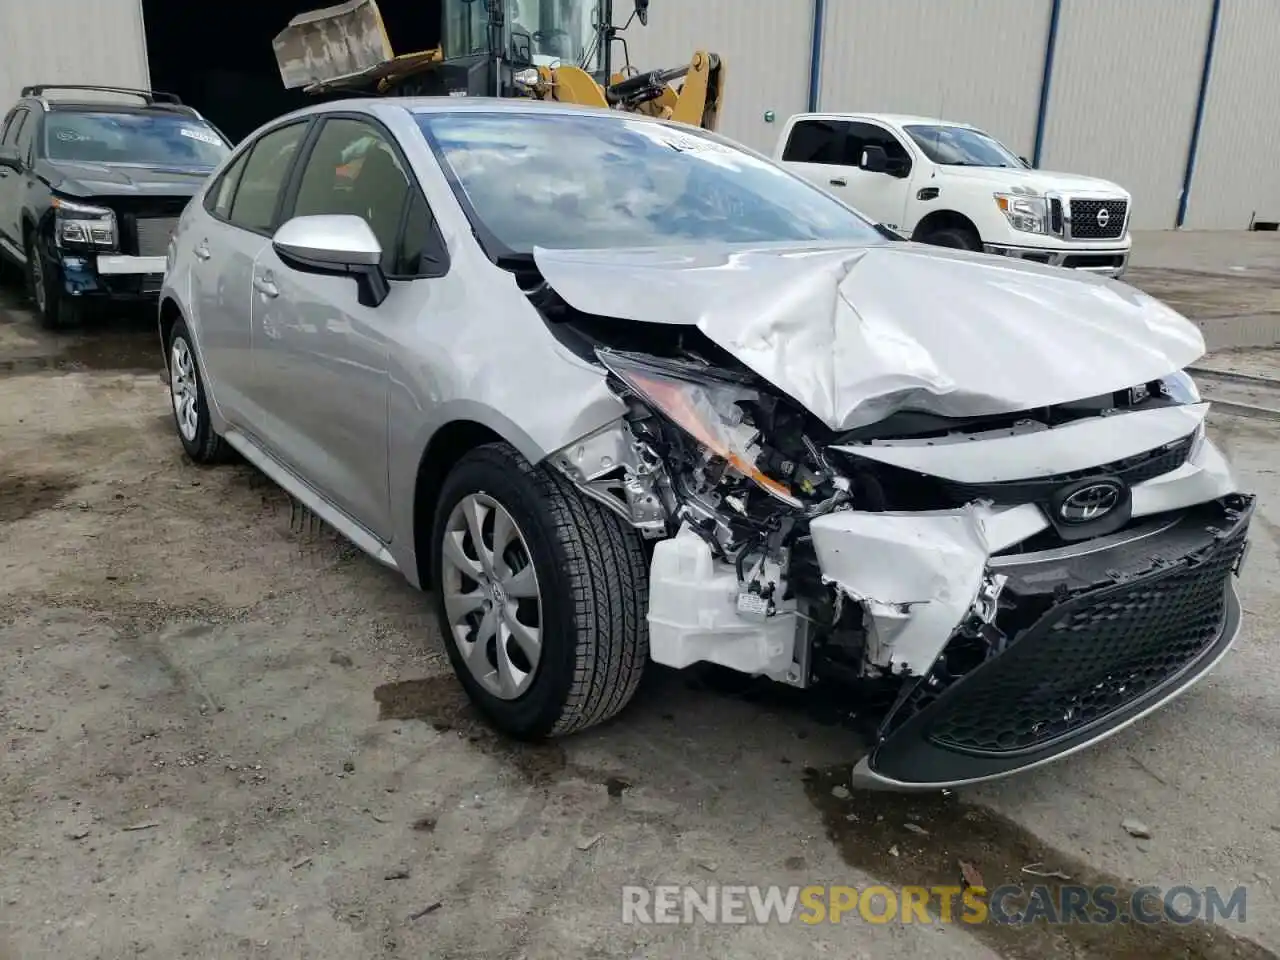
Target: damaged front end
(1005, 591)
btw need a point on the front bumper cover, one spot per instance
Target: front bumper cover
(1105, 262)
(1094, 642)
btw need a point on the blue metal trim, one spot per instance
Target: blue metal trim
(815, 53)
(1193, 147)
(1046, 79)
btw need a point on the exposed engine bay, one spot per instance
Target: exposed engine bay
(1071, 562)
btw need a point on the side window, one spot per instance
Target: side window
(26, 131)
(817, 141)
(420, 252)
(868, 134)
(353, 169)
(263, 178)
(13, 127)
(218, 199)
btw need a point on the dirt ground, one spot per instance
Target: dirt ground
(226, 734)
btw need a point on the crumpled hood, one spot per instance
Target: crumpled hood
(122, 180)
(858, 333)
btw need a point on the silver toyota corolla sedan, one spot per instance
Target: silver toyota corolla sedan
(615, 391)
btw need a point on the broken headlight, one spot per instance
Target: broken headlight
(709, 409)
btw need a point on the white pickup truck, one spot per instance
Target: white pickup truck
(951, 184)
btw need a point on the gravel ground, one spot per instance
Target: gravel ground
(226, 734)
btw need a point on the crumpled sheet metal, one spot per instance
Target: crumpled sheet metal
(916, 574)
(858, 333)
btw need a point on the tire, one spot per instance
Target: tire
(55, 310)
(592, 590)
(958, 238)
(188, 402)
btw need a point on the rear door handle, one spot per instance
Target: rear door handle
(266, 286)
(202, 250)
(839, 182)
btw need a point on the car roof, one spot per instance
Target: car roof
(894, 119)
(108, 106)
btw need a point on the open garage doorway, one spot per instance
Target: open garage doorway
(218, 57)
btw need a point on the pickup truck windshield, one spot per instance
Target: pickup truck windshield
(566, 181)
(137, 138)
(961, 147)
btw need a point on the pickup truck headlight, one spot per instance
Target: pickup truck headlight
(1026, 214)
(81, 226)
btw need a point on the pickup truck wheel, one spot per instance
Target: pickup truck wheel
(541, 593)
(188, 402)
(956, 237)
(54, 308)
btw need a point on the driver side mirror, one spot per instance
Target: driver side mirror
(642, 12)
(874, 160)
(335, 245)
(9, 157)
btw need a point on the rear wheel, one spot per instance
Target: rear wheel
(541, 593)
(189, 403)
(56, 310)
(959, 238)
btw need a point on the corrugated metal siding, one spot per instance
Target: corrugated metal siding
(975, 61)
(1122, 103)
(765, 45)
(1235, 175)
(70, 41)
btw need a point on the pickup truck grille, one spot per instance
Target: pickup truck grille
(1098, 219)
(153, 235)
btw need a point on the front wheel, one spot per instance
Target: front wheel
(56, 310)
(189, 403)
(958, 238)
(542, 596)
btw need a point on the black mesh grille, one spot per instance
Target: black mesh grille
(1132, 470)
(1089, 222)
(1085, 660)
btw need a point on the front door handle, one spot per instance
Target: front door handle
(839, 182)
(202, 250)
(266, 286)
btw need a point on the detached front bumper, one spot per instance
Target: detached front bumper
(1096, 636)
(1108, 263)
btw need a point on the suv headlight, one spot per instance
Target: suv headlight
(1027, 214)
(83, 226)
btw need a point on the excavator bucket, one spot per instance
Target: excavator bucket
(335, 43)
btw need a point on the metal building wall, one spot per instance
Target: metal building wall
(70, 41)
(765, 44)
(1122, 101)
(975, 61)
(1235, 171)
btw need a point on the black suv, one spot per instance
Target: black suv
(90, 190)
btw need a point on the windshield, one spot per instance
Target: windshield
(555, 31)
(961, 146)
(141, 138)
(569, 181)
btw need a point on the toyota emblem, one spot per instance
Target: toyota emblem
(1090, 503)
(1104, 217)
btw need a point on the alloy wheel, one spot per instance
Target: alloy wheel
(491, 596)
(184, 389)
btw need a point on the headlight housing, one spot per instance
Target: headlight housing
(82, 226)
(1025, 214)
(706, 409)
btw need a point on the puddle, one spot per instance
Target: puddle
(124, 350)
(866, 826)
(22, 496)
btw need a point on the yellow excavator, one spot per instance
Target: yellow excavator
(543, 49)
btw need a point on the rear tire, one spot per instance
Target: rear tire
(589, 636)
(55, 310)
(188, 401)
(958, 238)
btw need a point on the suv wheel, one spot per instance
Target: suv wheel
(55, 309)
(541, 593)
(957, 238)
(188, 402)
